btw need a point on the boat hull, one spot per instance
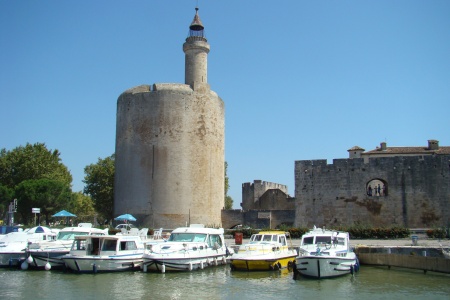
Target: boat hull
(262, 263)
(326, 267)
(163, 264)
(11, 259)
(103, 264)
(41, 258)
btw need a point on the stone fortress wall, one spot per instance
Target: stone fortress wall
(416, 191)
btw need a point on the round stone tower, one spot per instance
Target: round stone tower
(170, 144)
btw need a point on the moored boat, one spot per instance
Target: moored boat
(108, 253)
(47, 254)
(188, 248)
(14, 244)
(267, 250)
(325, 254)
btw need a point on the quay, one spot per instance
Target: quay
(421, 253)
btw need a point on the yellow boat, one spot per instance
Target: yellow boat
(266, 250)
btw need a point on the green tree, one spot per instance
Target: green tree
(83, 207)
(6, 197)
(99, 180)
(31, 162)
(228, 199)
(49, 195)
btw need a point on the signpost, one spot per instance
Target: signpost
(11, 211)
(35, 211)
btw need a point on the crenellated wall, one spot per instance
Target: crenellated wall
(416, 191)
(252, 192)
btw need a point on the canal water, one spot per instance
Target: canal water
(222, 283)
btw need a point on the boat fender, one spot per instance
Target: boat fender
(144, 268)
(278, 265)
(24, 265)
(294, 270)
(215, 262)
(290, 265)
(190, 266)
(201, 265)
(30, 259)
(48, 266)
(352, 269)
(163, 268)
(273, 249)
(94, 268)
(224, 260)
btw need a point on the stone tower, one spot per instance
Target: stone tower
(170, 144)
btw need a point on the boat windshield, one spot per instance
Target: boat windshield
(323, 239)
(187, 237)
(256, 238)
(69, 235)
(308, 240)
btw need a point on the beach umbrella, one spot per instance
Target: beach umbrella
(125, 217)
(64, 214)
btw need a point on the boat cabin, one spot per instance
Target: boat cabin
(97, 245)
(269, 237)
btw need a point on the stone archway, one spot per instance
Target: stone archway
(376, 187)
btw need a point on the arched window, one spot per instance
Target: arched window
(377, 188)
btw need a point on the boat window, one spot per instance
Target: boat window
(109, 245)
(341, 241)
(283, 240)
(308, 240)
(79, 245)
(275, 238)
(267, 238)
(213, 239)
(323, 239)
(128, 245)
(256, 238)
(187, 237)
(69, 235)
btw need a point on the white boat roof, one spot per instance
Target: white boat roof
(323, 231)
(109, 237)
(198, 228)
(82, 229)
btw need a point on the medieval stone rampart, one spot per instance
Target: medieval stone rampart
(252, 192)
(414, 191)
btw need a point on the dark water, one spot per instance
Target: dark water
(221, 283)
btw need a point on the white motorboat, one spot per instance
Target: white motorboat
(47, 254)
(108, 253)
(188, 248)
(325, 254)
(266, 251)
(13, 245)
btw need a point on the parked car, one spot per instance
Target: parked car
(126, 226)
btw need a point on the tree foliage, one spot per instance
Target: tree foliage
(6, 197)
(31, 162)
(49, 195)
(23, 165)
(99, 180)
(228, 199)
(83, 207)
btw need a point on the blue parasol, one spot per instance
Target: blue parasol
(64, 213)
(125, 217)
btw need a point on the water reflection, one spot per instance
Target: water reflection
(222, 283)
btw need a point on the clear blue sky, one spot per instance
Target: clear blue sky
(300, 79)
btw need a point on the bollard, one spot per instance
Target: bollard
(414, 238)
